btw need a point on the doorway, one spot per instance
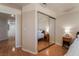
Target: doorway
(7, 33)
(11, 30)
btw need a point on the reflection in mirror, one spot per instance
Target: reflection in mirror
(7, 31)
(45, 32)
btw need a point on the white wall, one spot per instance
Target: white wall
(9, 10)
(28, 29)
(45, 10)
(67, 20)
(3, 29)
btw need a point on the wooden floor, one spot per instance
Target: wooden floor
(7, 48)
(42, 44)
(54, 50)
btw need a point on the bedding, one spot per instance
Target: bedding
(40, 35)
(74, 48)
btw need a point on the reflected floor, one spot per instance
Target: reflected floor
(54, 50)
(42, 44)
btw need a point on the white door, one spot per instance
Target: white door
(52, 30)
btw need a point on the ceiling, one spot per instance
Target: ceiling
(62, 8)
(15, 5)
(58, 8)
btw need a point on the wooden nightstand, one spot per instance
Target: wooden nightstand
(46, 37)
(67, 41)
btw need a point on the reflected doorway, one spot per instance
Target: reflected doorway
(7, 32)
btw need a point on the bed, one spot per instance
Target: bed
(40, 35)
(74, 49)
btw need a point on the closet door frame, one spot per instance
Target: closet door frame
(54, 25)
(54, 28)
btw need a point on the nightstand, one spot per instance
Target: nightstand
(46, 37)
(67, 41)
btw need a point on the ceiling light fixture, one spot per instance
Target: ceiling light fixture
(43, 4)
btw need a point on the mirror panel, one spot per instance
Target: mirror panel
(45, 31)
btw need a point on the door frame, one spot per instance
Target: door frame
(17, 13)
(54, 28)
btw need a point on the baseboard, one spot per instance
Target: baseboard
(3, 40)
(58, 44)
(29, 51)
(17, 46)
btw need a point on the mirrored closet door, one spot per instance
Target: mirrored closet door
(45, 31)
(52, 30)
